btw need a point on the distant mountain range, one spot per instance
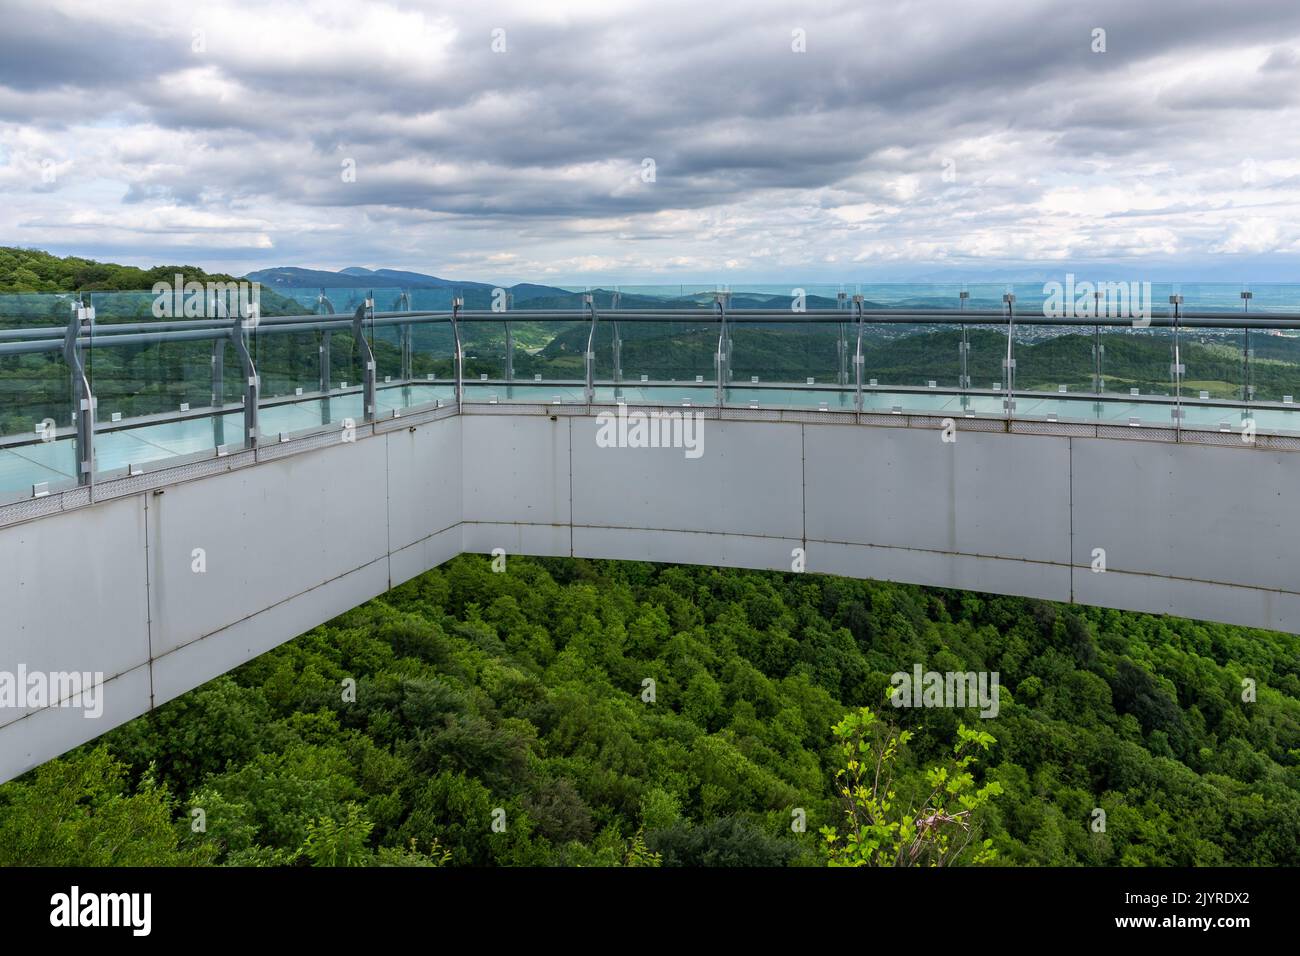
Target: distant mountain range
(477, 293)
(355, 277)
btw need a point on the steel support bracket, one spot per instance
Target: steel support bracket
(83, 399)
(252, 385)
(365, 312)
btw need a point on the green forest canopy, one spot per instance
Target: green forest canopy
(524, 692)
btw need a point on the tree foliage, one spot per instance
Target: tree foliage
(878, 830)
(519, 699)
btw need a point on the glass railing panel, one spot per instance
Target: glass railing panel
(624, 298)
(149, 361)
(676, 354)
(909, 363)
(793, 298)
(789, 360)
(433, 354)
(1056, 367)
(1270, 376)
(346, 299)
(37, 443)
(387, 338)
(942, 296)
(34, 378)
(288, 360)
(532, 359)
(921, 360)
(1138, 375)
(415, 363)
(484, 347)
(1206, 367)
(1274, 363)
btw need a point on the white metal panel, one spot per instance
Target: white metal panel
(747, 480)
(987, 493)
(481, 537)
(191, 665)
(1199, 600)
(423, 555)
(516, 469)
(939, 569)
(685, 547)
(424, 481)
(1206, 513)
(72, 593)
(267, 533)
(29, 742)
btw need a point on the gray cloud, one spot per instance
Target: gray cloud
(905, 137)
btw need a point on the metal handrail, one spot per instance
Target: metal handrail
(24, 341)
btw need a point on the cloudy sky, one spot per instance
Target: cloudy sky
(602, 141)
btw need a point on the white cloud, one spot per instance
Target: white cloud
(1177, 146)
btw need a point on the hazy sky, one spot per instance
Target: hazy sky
(509, 141)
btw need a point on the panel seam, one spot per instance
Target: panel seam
(1070, 509)
(803, 492)
(148, 597)
(570, 488)
(388, 505)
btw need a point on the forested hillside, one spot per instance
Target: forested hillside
(31, 270)
(520, 697)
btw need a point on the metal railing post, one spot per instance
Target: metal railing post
(589, 360)
(404, 305)
(365, 311)
(324, 307)
(458, 360)
(510, 359)
(1098, 357)
(616, 346)
(1009, 363)
(1247, 390)
(841, 342)
(510, 346)
(963, 381)
(721, 358)
(731, 346)
(218, 373)
(252, 386)
(1098, 350)
(83, 399)
(218, 392)
(1176, 369)
(858, 361)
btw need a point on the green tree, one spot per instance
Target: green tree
(78, 811)
(879, 832)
